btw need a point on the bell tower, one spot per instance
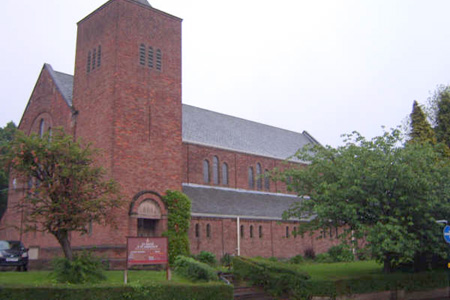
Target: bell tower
(127, 91)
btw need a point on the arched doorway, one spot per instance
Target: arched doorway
(148, 217)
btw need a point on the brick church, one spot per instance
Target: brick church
(125, 98)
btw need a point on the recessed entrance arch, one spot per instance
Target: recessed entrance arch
(148, 211)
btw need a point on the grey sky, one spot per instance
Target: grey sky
(328, 67)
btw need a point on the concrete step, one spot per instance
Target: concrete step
(249, 293)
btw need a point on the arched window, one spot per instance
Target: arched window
(215, 170)
(197, 230)
(266, 180)
(287, 231)
(251, 231)
(224, 174)
(142, 54)
(295, 232)
(260, 231)
(208, 230)
(251, 179)
(258, 176)
(41, 128)
(150, 57)
(158, 60)
(242, 231)
(206, 171)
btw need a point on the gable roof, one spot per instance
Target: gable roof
(209, 201)
(204, 127)
(208, 128)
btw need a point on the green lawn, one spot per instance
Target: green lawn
(334, 271)
(42, 278)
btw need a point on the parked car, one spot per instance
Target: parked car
(13, 253)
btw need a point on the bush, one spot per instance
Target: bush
(207, 258)
(323, 258)
(227, 260)
(277, 278)
(159, 291)
(310, 253)
(298, 259)
(194, 270)
(341, 253)
(273, 259)
(82, 269)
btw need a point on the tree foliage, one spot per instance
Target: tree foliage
(179, 218)
(6, 136)
(66, 190)
(442, 128)
(421, 131)
(378, 189)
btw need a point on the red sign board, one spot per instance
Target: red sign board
(147, 251)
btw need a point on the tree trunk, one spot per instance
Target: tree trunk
(63, 238)
(387, 268)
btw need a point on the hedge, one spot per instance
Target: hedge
(131, 292)
(194, 270)
(285, 279)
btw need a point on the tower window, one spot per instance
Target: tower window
(150, 57)
(206, 171)
(88, 67)
(224, 174)
(158, 60)
(41, 128)
(94, 58)
(215, 170)
(142, 54)
(99, 56)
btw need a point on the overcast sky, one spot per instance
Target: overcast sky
(327, 67)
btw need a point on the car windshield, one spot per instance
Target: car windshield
(6, 245)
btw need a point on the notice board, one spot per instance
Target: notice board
(147, 251)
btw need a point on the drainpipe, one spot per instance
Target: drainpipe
(238, 226)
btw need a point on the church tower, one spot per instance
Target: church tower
(127, 94)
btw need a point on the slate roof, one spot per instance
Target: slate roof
(205, 127)
(227, 202)
(63, 82)
(201, 126)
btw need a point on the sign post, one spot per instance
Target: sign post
(147, 251)
(446, 233)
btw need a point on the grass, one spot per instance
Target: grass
(337, 271)
(114, 278)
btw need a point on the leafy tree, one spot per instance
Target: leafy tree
(6, 136)
(442, 128)
(67, 191)
(421, 131)
(377, 189)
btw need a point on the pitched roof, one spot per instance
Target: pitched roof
(205, 127)
(201, 126)
(63, 82)
(211, 201)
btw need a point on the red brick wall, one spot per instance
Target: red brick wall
(238, 166)
(223, 238)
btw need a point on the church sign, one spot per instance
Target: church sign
(147, 251)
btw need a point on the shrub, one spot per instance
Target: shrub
(82, 269)
(310, 253)
(277, 278)
(179, 217)
(227, 260)
(323, 258)
(207, 258)
(194, 270)
(341, 253)
(274, 259)
(298, 259)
